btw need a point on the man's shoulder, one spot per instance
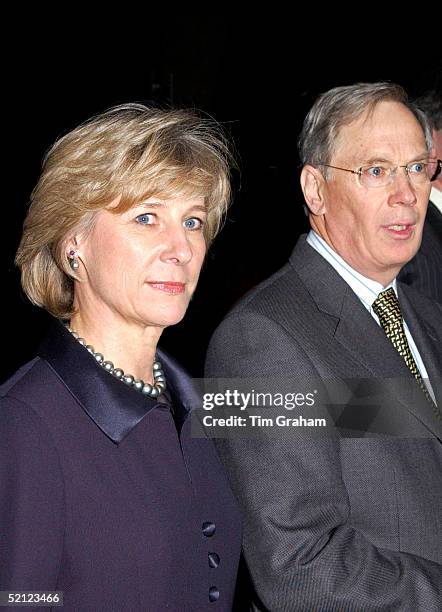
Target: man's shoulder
(285, 287)
(255, 317)
(277, 314)
(268, 291)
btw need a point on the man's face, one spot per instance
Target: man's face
(376, 230)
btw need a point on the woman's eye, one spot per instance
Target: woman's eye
(145, 219)
(193, 223)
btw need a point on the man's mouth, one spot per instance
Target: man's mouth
(400, 230)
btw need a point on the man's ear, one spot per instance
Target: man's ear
(312, 184)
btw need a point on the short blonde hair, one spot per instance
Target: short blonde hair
(129, 151)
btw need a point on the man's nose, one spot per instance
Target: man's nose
(403, 191)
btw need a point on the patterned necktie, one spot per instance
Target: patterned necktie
(387, 308)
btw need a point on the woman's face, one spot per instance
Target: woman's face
(141, 267)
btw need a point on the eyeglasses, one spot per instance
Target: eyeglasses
(419, 172)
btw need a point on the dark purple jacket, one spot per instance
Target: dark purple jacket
(104, 493)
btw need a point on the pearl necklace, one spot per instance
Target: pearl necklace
(150, 390)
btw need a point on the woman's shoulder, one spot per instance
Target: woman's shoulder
(24, 378)
(31, 474)
(17, 377)
(31, 386)
(23, 428)
(25, 415)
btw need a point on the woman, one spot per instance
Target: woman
(105, 495)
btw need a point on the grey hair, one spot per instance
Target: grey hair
(341, 106)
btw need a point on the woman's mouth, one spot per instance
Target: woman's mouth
(170, 287)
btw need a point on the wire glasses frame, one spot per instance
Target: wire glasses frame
(380, 176)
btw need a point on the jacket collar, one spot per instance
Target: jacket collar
(115, 408)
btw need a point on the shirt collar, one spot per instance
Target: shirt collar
(114, 407)
(366, 289)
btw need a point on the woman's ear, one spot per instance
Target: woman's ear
(72, 250)
(312, 184)
(76, 241)
(71, 244)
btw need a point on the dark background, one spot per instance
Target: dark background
(257, 79)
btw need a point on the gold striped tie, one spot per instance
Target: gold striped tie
(387, 308)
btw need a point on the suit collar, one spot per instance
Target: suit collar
(324, 284)
(115, 408)
(365, 288)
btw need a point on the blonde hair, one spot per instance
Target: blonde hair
(129, 151)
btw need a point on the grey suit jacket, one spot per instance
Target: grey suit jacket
(337, 523)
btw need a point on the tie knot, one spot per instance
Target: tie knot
(386, 306)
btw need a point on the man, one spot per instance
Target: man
(346, 523)
(424, 272)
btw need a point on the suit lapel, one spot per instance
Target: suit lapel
(359, 333)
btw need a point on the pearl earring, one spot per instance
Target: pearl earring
(73, 261)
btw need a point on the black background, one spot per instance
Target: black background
(258, 75)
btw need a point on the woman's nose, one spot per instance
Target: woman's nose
(177, 247)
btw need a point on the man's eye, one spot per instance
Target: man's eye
(145, 219)
(375, 171)
(416, 168)
(193, 223)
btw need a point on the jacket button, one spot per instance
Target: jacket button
(214, 560)
(213, 594)
(208, 529)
